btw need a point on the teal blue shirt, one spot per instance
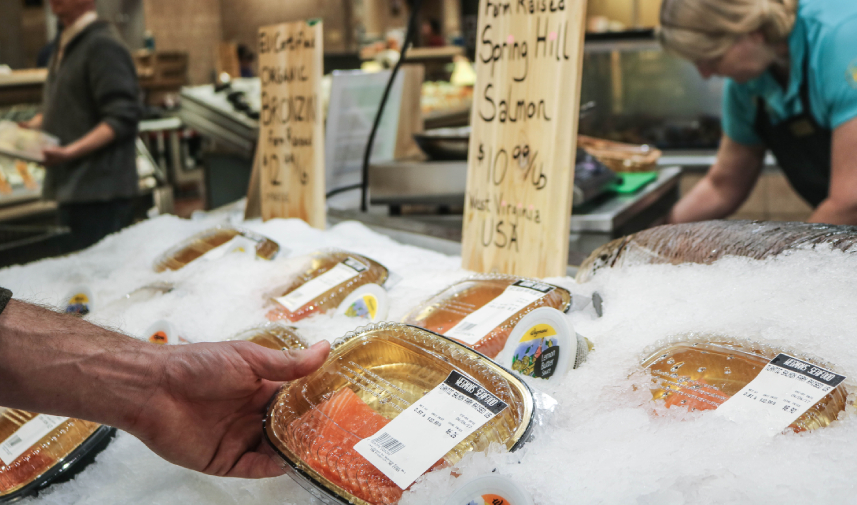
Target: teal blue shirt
(826, 31)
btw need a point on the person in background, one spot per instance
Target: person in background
(91, 103)
(245, 60)
(432, 36)
(199, 406)
(791, 87)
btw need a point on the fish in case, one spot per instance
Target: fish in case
(37, 449)
(481, 311)
(703, 373)
(319, 425)
(215, 243)
(706, 242)
(326, 281)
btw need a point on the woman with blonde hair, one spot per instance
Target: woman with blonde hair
(791, 87)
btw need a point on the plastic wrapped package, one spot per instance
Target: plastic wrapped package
(328, 278)
(703, 373)
(36, 449)
(214, 243)
(274, 336)
(501, 301)
(24, 143)
(708, 241)
(375, 374)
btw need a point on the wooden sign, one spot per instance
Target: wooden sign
(290, 156)
(522, 147)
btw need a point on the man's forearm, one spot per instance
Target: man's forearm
(97, 138)
(59, 364)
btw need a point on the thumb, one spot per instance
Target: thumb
(288, 364)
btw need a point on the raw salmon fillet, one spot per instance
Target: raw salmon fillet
(327, 435)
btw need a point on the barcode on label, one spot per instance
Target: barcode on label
(467, 326)
(14, 440)
(389, 444)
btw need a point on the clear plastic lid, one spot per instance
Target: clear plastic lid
(446, 310)
(36, 449)
(206, 242)
(328, 278)
(702, 373)
(372, 376)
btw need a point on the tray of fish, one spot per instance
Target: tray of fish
(481, 311)
(708, 241)
(703, 373)
(38, 449)
(376, 396)
(326, 280)
(214, 243)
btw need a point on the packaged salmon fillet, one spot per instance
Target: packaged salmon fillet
(325, 282)
(37, 449)
(392, 403)
(707, 373)
(216, 243)
(481, 311)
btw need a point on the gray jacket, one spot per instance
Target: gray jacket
(95, 82)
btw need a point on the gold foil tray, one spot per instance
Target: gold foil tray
(388, 366)
(702, 374)
(319, 263)
(63, 451)
(274, 336)
(446, 309)
(194, 247)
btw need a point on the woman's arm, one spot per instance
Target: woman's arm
(840, 207)
(725, 187)
(199, 406)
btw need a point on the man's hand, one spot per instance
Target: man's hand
(207, 405)
(199, 405)
(57, 155)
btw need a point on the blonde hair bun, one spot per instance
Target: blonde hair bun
(703, 29)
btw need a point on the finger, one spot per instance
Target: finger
(288, 365)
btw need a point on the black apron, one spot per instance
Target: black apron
(801, 146)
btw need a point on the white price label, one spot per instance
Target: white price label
(475, 326)
(239, 244)
(27, 435)
(424, 432)
(341, 273)
(785, 389)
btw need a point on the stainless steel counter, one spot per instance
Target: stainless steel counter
(211, 113)
(602, 220)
